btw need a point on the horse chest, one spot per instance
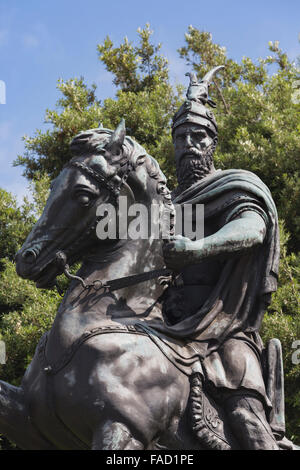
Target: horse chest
(52, 399)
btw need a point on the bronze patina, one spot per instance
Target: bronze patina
(156, 342)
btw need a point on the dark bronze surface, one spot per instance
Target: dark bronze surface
(177, 364)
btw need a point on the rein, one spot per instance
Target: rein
(115, 284)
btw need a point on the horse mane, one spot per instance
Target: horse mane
(93, 141)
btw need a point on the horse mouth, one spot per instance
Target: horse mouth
(45, 279)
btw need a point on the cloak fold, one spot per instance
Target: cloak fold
(242, 293)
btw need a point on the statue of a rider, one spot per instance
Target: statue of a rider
(225, 280)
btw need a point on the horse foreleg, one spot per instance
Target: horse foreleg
(115, 436)
(15, 422)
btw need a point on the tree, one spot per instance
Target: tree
(15, 224)
(145, 99)
(25, 311)
(283, 321)
(47, 152)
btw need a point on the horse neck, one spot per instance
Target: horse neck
(126, 257)
(83, 309)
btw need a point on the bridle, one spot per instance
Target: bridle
(113, 185)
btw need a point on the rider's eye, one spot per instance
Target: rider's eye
(200, 135)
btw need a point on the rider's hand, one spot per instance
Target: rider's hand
(286, 444)
(178, 253)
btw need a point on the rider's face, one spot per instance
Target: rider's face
(191, 141)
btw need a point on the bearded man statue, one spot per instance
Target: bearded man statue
(226, 279)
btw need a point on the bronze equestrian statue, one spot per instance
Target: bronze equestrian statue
(155, 344)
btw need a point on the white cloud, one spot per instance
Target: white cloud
(30, 40)
(11, 178)
(18, 186)
(177, 68)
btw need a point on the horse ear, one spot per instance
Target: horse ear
(117, 139)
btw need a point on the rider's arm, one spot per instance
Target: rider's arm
(237, 236)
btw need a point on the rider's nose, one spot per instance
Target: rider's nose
(188, 141)
(29, 256)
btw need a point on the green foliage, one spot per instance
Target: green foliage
(287, 329)
(31, 313)
(135, 68)
(286, 300)
(283, 321)
(145, 99)
(15, 224)
(40, 188)
(47, 152)
(147, 118)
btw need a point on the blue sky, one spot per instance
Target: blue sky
(41, 41)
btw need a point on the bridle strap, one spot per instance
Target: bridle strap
(110, 185)
(165, 274)
(100, 177)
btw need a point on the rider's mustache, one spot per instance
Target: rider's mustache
(187, 152)
(193, 151)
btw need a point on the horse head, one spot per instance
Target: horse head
(106, 165)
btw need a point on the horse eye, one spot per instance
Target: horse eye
(84, 199)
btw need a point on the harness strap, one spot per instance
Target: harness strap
(113, 284)
(101, 178)
(52, 369)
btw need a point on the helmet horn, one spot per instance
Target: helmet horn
(208, 77)
(198, 91)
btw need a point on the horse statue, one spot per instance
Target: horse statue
(103, 377)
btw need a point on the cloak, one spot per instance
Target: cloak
(239, 298)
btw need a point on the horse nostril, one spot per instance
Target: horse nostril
(29, 256)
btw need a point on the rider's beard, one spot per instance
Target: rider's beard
(192, 169)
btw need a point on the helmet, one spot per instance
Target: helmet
(193, 109)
